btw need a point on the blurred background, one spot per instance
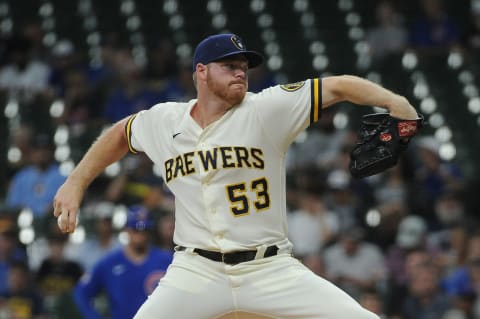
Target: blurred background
(405, 243)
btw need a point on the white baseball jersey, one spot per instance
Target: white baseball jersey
(228, 178)
(229, 186)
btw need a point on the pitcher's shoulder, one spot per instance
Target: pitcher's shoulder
(175, 107)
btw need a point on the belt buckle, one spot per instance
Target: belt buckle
(228, 259)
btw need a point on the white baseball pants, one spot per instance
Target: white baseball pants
(276, 287)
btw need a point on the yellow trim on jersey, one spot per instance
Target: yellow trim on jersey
(316, 103)
(128, 134)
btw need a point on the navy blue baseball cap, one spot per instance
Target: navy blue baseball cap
(139, 218)
(220, 46)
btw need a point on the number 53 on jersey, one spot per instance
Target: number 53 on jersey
(241, 202)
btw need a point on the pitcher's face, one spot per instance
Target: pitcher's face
(227, 79)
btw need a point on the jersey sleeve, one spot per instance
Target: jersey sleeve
(285, 110)
(139, 129)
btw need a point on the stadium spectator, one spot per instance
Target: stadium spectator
(354, 264)
(20, 300)
(21, 139)
(464, 280)
(35, 34)
(23, 78)
(315, 263)
(425, 299)
(321, 136)
(63, 60)
(472, 33)
(417, 258)
(56, 278)
(312, 226)
(162, 62)
(372, 300)
(165, 226)
(260, 78)
(411, 235)
(79, 84)
(410, 241)
(131, 94)
(389, 35)
(34, 186)
(434, 29)
(341, 199)
(179, 87)
(414, 260)
(433, 177)
(449, 237)
(10, 252)
(81, 105)
(127, 275)
(462, 284)
(391, 187)
(101, 241)
(137, 184)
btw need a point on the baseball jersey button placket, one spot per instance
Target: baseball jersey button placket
(205, 186)
(206, 181)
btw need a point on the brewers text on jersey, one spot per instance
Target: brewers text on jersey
(213, 159)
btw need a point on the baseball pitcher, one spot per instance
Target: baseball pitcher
(223, 156)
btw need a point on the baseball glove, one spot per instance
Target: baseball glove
(381, 140)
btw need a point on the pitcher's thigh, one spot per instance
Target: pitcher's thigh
(327, 301)
(186, 294)
(289, 290)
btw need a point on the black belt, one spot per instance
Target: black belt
(232, 258)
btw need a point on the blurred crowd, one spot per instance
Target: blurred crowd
(404, 243)
(429, 28)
